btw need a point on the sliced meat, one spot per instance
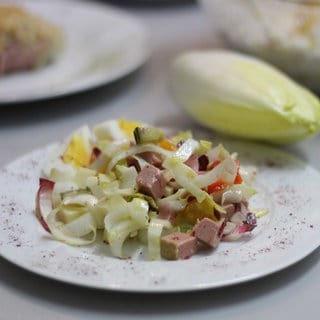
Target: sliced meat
(28, 41)
(153, 158)
(167, 213)
(197, 164)
(151, 181)
(207, 232)
(193, 162)
(19, 56)
(132, 162)
(230, 208)
(178, 245)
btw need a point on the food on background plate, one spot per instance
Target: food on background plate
(284, 33)
(244, 97)
(175, 194)
(26, 41)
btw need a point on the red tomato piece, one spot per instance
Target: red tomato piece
(238, 179)
(216, 186)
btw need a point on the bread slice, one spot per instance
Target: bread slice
(26, 40)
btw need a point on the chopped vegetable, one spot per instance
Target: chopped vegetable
(172, 192)
(148, 135)
(244, 97)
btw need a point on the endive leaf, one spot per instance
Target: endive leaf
(244, 97)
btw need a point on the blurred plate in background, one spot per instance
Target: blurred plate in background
(102, 44)
(284, 33)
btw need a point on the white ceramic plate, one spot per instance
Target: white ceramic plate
(102, 44)
(287, 187)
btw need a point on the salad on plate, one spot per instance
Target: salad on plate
(127, 181)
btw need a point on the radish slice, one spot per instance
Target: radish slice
(44, 201)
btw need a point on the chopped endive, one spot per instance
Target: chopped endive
(78, 232)
(185, 176)
(127, 176)
(225, 171)
(155, 229)
(148, 134)
(244, 97)
(122, 219)
(187, 149)
(144, 191)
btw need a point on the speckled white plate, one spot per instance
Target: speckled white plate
(287, 187)
(102, 44)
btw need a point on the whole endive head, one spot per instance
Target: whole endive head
(245, 97)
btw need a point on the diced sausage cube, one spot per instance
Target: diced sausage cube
(207, 232)
(153, 158)
(178, 245)
(167, 213)
(151, 181)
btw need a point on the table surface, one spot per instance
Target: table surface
(290, 294)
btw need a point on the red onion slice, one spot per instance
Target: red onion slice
(44, 201)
